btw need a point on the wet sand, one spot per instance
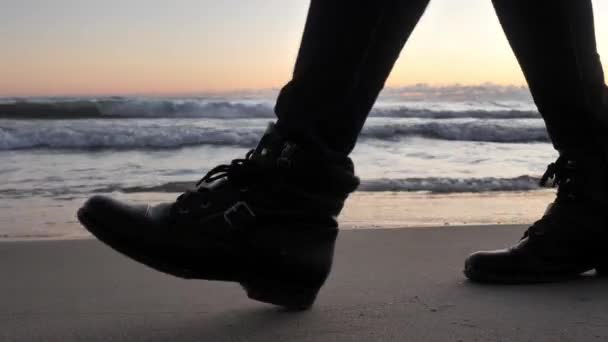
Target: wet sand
(387, 285)
(51, 218)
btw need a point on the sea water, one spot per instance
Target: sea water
(418, 139)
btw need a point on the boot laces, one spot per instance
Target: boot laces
(240, 171)
(561, 174)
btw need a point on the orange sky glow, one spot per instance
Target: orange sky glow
(69, 48)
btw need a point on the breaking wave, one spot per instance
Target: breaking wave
(521, 131)
(113, 108)
(167, 134)
(85, 137)
(451, 185)
(431, 185)
(405, 112)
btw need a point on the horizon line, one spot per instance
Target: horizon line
(251, 91)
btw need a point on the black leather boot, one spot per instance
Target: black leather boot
(570, 239)
(267, 221)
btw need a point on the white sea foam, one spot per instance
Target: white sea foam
(159, 134)
(203, 108)
(418, 101)
(80, 135)
(451, 185)
(429, 184)
(512, 131)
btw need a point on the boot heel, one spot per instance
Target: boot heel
(291, 275)
(291, 296)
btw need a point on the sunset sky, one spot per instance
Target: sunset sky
(113, 47)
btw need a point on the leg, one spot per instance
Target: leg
(555, 45)
(347, 52)
(268, 221)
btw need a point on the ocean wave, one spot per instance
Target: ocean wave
(407, 112)
(459, 92)
(432, 185)
(113, 108)
(88, 137)
(116, 108)
(521, 131)
(450, 185)
(151, 134)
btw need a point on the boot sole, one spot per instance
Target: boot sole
(485, 278)
(291, 297)
(272, 290)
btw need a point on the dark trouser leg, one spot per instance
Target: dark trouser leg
(554, 42)
(347, 52)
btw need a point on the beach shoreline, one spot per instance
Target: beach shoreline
(40, 218)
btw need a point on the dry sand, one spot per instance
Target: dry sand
(387, 285)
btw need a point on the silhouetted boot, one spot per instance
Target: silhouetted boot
(267, 221)
(570, 239)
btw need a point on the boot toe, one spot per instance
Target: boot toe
(475, 265)
(104, 213)
(96, 204)
(95, 209)
(512, 266)
(491, 266)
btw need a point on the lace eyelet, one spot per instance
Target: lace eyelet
(205, 205)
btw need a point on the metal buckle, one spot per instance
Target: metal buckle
(233, 213)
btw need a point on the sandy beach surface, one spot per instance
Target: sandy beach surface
(387, 285)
